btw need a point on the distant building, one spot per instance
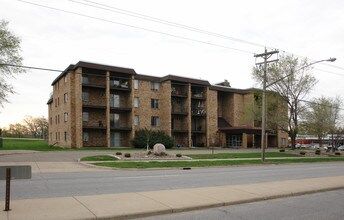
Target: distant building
(94, 105)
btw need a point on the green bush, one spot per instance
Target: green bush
(282, 150)
(337, 153)
(118, 153)
(302, 152)
(317, 152)
(141, 136)
(127, 155)
(178, 155)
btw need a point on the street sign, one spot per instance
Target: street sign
(17, 172)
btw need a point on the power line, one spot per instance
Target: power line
(162, 21)
(137, 27)
(174, 24)
(30, 67)
(166, 22)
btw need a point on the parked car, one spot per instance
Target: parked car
(341, 148)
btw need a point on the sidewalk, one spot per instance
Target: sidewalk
(131, 205)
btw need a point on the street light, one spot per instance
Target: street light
(264, 100)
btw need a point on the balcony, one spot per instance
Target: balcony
(87, 105)
(120, 84)
(179, 130)
(198, 112)
(178, 110)
(120, 109)
(178, 92)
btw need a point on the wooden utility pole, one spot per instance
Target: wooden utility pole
(266, 55)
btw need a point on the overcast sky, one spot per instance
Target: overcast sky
(54, 39)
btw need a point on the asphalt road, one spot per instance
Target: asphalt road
(45, 185)
(319, 206)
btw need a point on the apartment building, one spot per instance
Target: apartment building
(94, 105)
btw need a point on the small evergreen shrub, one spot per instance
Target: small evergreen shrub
(127, 155)
(303, 152)
(337, 153)
(153, 137)
(282, 150)
(118, 153)
(178, 155)
(317, 152)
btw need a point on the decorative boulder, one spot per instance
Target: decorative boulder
(159, 150)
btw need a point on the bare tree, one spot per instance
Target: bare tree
(37, 126)
(291, 78)
(9, 59)
(17, 130)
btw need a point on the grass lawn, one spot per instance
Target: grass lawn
(239, 155)
(157, 164)
(99, 158)
(41, 145)
(25, 144)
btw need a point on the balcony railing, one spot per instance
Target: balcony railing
(121, 84)
(198, 112)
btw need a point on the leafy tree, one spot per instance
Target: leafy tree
(9, 54)
(322, 117)
(291, 78)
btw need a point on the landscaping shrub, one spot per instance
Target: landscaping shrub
(302, 152)
(282, 150)
(317, 152)
(127, 155)
(118, 153)
(154, 137)
(178, 155)
(337, 153)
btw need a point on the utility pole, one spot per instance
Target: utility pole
(266, 55)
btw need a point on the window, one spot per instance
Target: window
(85, 116)
(284, 142)
(58, 101)
(136, 102)
(51, 120)
(86, 136)
(65, 97)
(55, 102)
(154, 103)
(84, 79)
(65, 136)
(65, 115)
(55, 119)
(136, 84)
(154, 86)
(85, 96)
(136, 120)
(65, 79)
(155, 121)
(58, 119)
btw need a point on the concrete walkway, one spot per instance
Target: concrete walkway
(131, 205)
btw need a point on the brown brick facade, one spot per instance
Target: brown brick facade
(192, 111)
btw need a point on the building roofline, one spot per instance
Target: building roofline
(97, 66)
(185, 79)
(229, 89)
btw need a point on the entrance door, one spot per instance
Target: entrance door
(114, 100)
(115, 139)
